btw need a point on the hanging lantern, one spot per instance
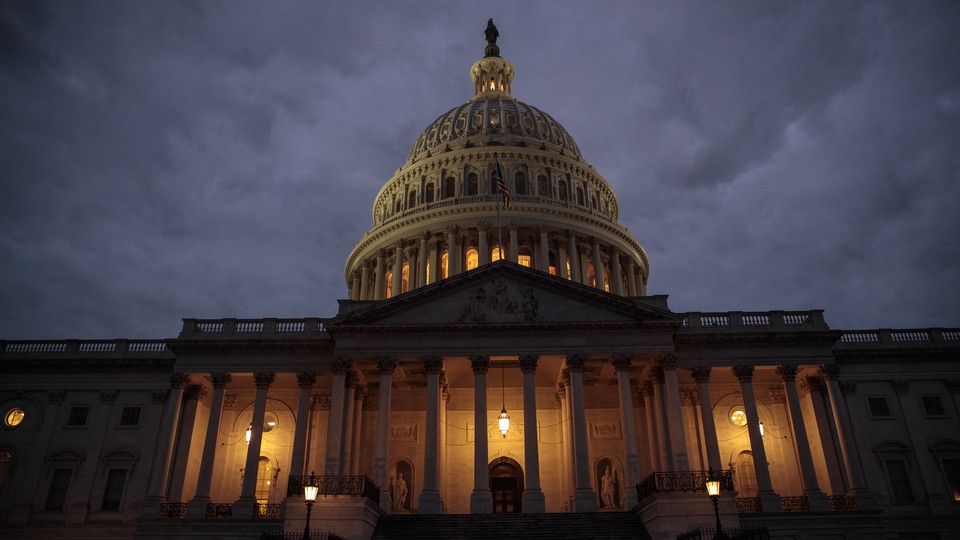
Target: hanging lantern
(761, 429)
(504, 422)
(249, 432)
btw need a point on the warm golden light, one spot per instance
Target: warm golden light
(249, 433)
(713, 488)
(13, 417)
(310, 492)
(504, 423)
(761, 429)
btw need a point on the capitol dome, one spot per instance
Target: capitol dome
(442, 213)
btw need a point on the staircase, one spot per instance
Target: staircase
(607, 525)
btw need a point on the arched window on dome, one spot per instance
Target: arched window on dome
(429, 275)
(405, 278)
(591, 275)
(412, 199)
(472, 184)
(569, 270)
(562, 190)
(428, 198)
(525, 256)
(520, 183)
(606, 280)
(397, 205)
(495, 253)
(473, 258)
(580, 196)
(443, 265)
(387, 284)
(449, 187)
(553, 263)
(543, 189)
(595, 207)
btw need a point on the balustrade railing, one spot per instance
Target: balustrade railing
(299, 536)
(310, 325)
(733, 533)
(910, 337)
(748, 504)
(268, 511)
(73, 346)
(219, 511)
(352, 486)
(842, 502)
(754, 319)
(795, 504)
(687, 481)
(173, 510)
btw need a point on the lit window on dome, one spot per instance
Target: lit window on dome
(569, 272)
(443, 265)
(388, 285)
(473, 259)
(14, 417)
(495, 253)
(405, 278)
(606, 280)
(524, 260)
(591, 275)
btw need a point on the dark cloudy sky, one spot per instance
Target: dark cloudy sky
(161, 160)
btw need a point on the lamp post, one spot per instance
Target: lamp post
(713, 489)
(310, 494)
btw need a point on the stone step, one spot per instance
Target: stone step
(608, 525)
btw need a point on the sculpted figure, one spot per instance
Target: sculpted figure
(400, 489)
(607, 492)
(491, 32)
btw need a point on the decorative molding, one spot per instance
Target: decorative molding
(306, 379)
(160, 395)
(229, 401)
(777, 394)
(848, 387)
(605, 430)
(901, 386)
(787, 373)
(109, 396)
(404, 432)
(953, 385)
(528, 363)
(744, 374)
(701, 374)
(56, 396)
(320, 401)
(178, 380)
(480, 364)
(386, 365)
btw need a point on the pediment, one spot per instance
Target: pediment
(503, 293)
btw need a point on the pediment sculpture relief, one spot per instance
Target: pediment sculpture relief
(500, 305)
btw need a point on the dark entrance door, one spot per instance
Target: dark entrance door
(506, 484)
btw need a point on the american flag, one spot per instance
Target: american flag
(502, 186)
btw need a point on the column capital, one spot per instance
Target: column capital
(480, 364)
(595, 241)
(564, 376)
(482, 226)
(668, 360)
(528, 363)
(787, 373)
(340, 365)
(621, 362)
(513, 226)
(399, 245)
(812, 384)
(365, 265)
(701, 374)
(386, 365)
(221, 380)
(352, 379)
(320, 401)
(744, 374)
(179, 380)
(575, 363)
(192, 392)
(109, 396)
(425, 236)
(433, 242)
(263, 379)
(849, 388)
(830, 372)
(900, 386)
(432, 364)
(381, 254)
(453, 229)
(306, 379)
(657, 375)
(647, 388)
(777, 394)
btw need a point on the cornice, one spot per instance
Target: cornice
(86, 365)
(246, 346)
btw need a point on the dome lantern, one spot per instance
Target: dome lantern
(491, 74)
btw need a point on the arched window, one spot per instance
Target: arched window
(562, 190)
(524, 257)
(580, 195)
(569, 273)
(264, 479)
(591, 275)
(745, 474)
(594, 202)
(412, 199)
(473, 259)
(405, 278)
(553, 264)
(396, 206)
(443, 265)
(520, 183)
(495, 253)
(472, 184)
(428, 198)
(542, 188)
(606, 280)
(449, 187)
(387, 284)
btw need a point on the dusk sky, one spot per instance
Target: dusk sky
(162, 160)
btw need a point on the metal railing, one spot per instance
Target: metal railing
(795, 504)
(219, 511)
(687, 481)
(352, 486)
(842, 502)
(746, 505)
(173, 510)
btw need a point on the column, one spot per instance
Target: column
(662, 422)
(514, 247)
(378, 285)
(429, 500)
(631, 475)
(156, 493)
(631, 278)
(356, 433)
(305, 381)
(246, 505)
(769, 500)
(481, 500)
(653, 441)
(678, 440)
(616, 276)
(397, 269)
(848, 443)
(584, 498)
(352, 381)
(544, 263)
(585, 266)
(180, 484)
(365, 281)
(572, 253)
(641, 286)
(821, 418)
(197, 507)
(422, 259)
(562, 259)
(570, 451)
(565, 464)
(482, 246)
(808, 473)
(434, 274)
(386, 366)
(355, 287)
(598, 263)
(702, 376)
(533, 501)
(339, 369)
(451, 251)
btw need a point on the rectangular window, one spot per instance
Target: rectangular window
(113, 491)
(879, 408)
(932, 406)
(951, 469)
(900, 488)
(59, 485)
(130, 416)
(78, 416)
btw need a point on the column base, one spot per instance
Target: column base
(245, 508)
(429, 502)
(332, 467)
(481, 501)
(386, 502)
(151, 507)
(584, 500)
(533, 501)
(197, 508)
(770, 501)
(630, 498)
(817, 500)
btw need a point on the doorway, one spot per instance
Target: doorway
(506, 485)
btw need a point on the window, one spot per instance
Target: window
(113, 490)
(405, 278)
(879, 408)
(412, 199)
(524, 257)
(495, 253)
(932, 406)
(591, 275)
(13, 417)
(746, 474)
(388, 284)
(569, 271)
(59, 485)
(951, 472)
(562, 190)
(449, 187)
(429, 272)
(396, 206)
(444, 259)
(542, 189)
(606, 280)
(552, 264)
(520, 183)
(429, 197)
(580, 196)
(900, 489)
(472, 184)
(78, 416)
(130, 416)
(264, 480)
(473, 259)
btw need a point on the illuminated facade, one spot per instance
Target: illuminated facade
(615, 402)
